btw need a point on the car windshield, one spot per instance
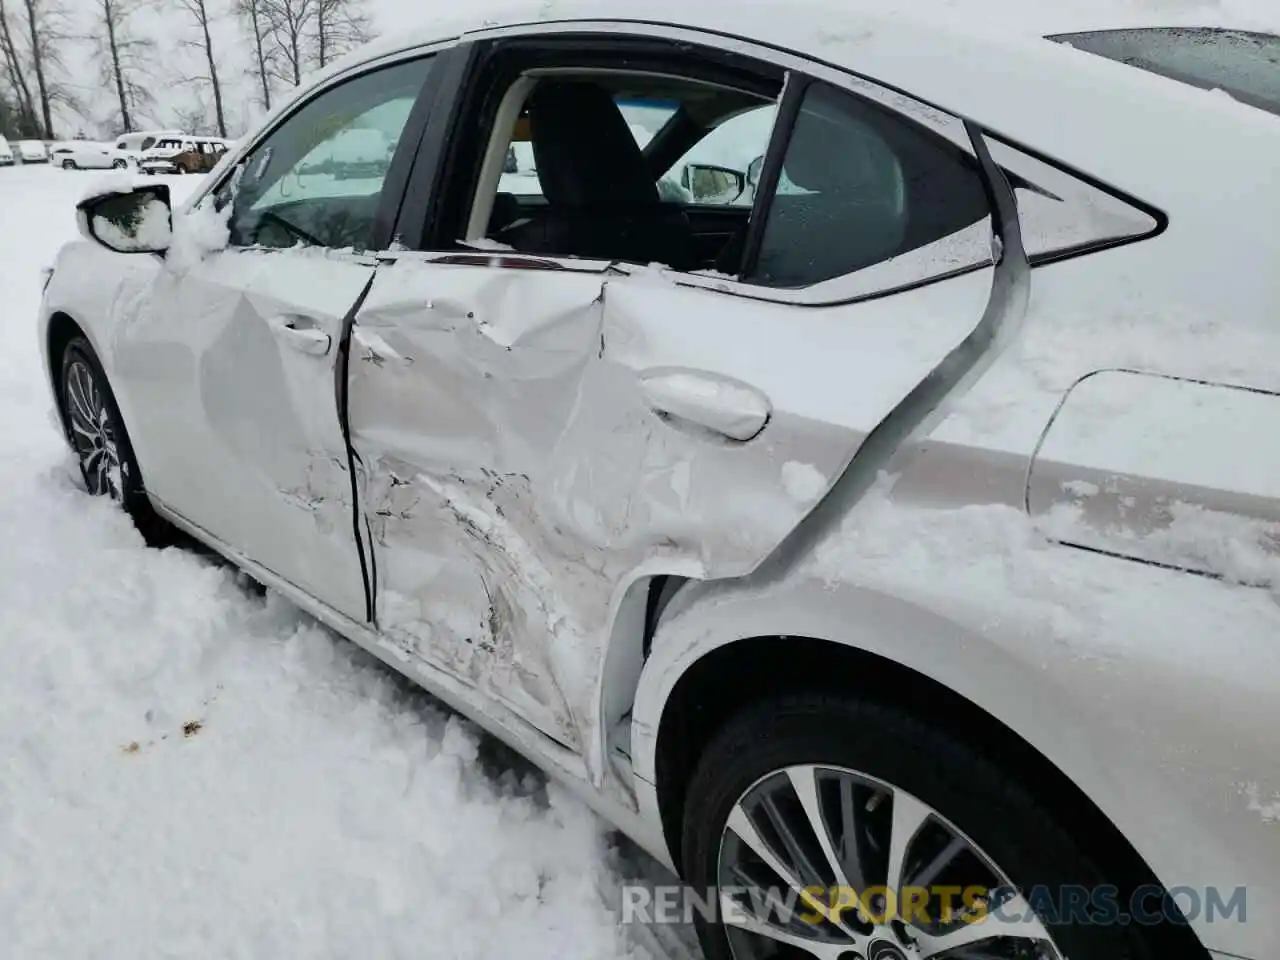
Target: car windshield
(1244, 65)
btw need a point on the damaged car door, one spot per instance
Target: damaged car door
(539, 431)
(236, 358)
(454, 360)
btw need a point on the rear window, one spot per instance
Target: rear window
(1245, 65)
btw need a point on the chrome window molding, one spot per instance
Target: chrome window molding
(1064, 214)
(962, 252)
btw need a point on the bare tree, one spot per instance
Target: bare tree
(123, 56)
(341, 26)
(199, 12)
(193, 118)
(253, 15)
(289, 24)
(24, 104)
(44, 35)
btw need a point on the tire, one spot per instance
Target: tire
(68, 165)
(119, 165)
(100, 442)
(880, 752)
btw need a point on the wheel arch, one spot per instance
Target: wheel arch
(697, 680)
(61, 330)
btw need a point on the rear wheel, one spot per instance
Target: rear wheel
(836, 829)
(68, 164)
(100, 441)
(119, 165)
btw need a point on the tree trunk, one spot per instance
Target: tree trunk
(17, 79)
(37, 63)
(262, 58)
(213, 72)
(320, 35)
(109, 16)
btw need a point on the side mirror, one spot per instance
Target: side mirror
(753, 171)
(712, 184)
(139, 221)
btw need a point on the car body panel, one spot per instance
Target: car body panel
(1164, 470)
(1152, 689)
(236, 422)
(523, 469)
(1167, 724)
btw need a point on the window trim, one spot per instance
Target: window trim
(428, 218)
(1083, 181)
(789, 105)
(849, 288)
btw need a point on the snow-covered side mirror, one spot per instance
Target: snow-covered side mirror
(137, 221)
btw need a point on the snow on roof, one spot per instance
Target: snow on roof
(986, 60)
(831, 18)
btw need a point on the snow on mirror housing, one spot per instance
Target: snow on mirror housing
(139, 221)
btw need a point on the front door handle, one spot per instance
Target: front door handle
(721, 404)
(300, 333)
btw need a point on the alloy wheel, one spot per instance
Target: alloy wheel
(824, 862)
(93, 432)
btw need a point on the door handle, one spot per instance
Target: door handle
(300, 333)
(714, 402)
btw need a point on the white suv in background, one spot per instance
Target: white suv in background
(6, 154)
(86, 155)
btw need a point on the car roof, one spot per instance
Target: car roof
(807, 26)
(998, 71)
(923, 50)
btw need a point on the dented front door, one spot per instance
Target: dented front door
(231, 365)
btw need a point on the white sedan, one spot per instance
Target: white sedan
(31, 151)
(892, 553)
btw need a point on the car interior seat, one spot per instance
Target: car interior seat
(602, 199)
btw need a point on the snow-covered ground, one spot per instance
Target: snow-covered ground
(188, 769)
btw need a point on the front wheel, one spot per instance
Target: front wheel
(100, 441)
(68, 164)
(827, 828)
(119, 165)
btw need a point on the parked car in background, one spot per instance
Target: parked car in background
(908, 527)
(202, 157)
(183, 155)
(360, 154)
(131, 146)
(6, 153)
(32, 151)
(86, 155)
